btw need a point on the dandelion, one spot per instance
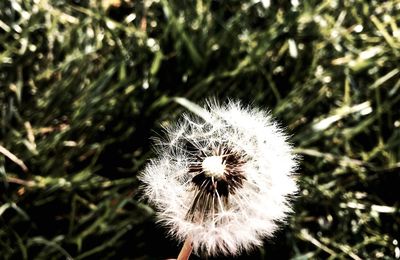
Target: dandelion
(222, 182)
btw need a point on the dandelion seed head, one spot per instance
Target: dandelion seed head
(225, 180)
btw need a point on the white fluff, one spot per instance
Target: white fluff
(255, 209)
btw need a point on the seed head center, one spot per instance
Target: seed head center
(213, 166)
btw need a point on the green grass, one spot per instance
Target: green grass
(83, 85)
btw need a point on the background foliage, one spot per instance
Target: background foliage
(84, 84)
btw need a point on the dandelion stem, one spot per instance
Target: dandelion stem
(186, 250)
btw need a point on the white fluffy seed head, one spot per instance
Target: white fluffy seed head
(225, 180)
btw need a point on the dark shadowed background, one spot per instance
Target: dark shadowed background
(84, 84)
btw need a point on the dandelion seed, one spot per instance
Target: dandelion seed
(224, 181)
